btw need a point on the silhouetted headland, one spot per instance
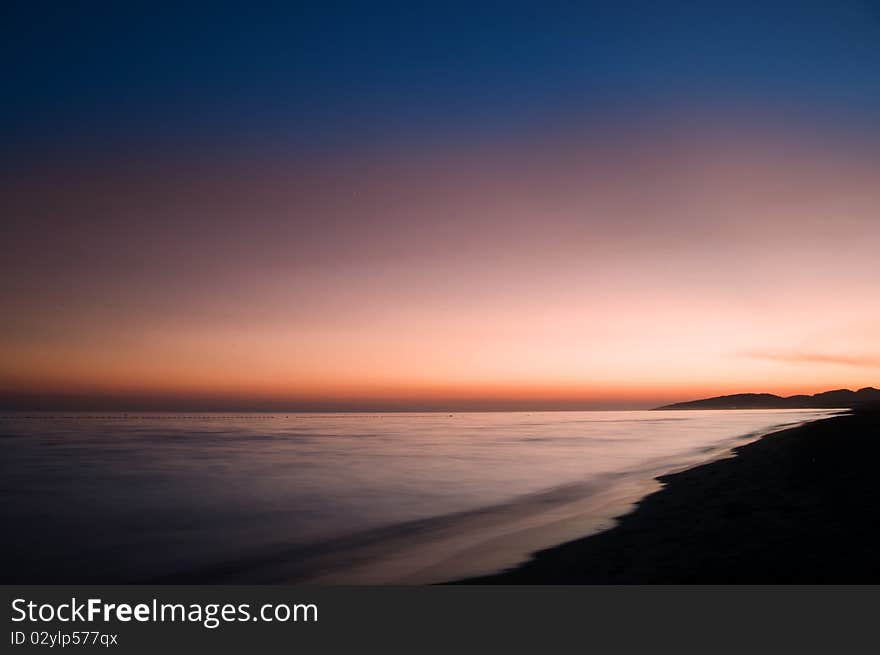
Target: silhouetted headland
(839, 398)
(796, 506)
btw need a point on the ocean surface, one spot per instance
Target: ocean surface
(361, 498)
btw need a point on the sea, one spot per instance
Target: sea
(342, 498)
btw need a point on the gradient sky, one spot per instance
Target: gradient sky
(411, 206)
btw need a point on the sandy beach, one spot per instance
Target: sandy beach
(795, 507)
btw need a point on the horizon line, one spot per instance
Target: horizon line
(40, 403)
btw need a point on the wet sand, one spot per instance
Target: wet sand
(797, 506)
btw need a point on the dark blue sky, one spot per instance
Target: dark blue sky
(343, 72)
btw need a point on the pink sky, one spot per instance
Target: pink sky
(580, 268)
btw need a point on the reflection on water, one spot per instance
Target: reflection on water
(132, 498)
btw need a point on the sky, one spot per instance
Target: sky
(419, 206)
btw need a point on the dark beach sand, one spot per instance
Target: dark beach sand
(797, 506)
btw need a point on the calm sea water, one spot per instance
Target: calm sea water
(329, 497)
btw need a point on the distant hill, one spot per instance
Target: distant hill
(839, 398)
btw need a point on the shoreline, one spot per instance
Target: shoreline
(478, 543)
(793, 506)
(473, 544)
(486, 541)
